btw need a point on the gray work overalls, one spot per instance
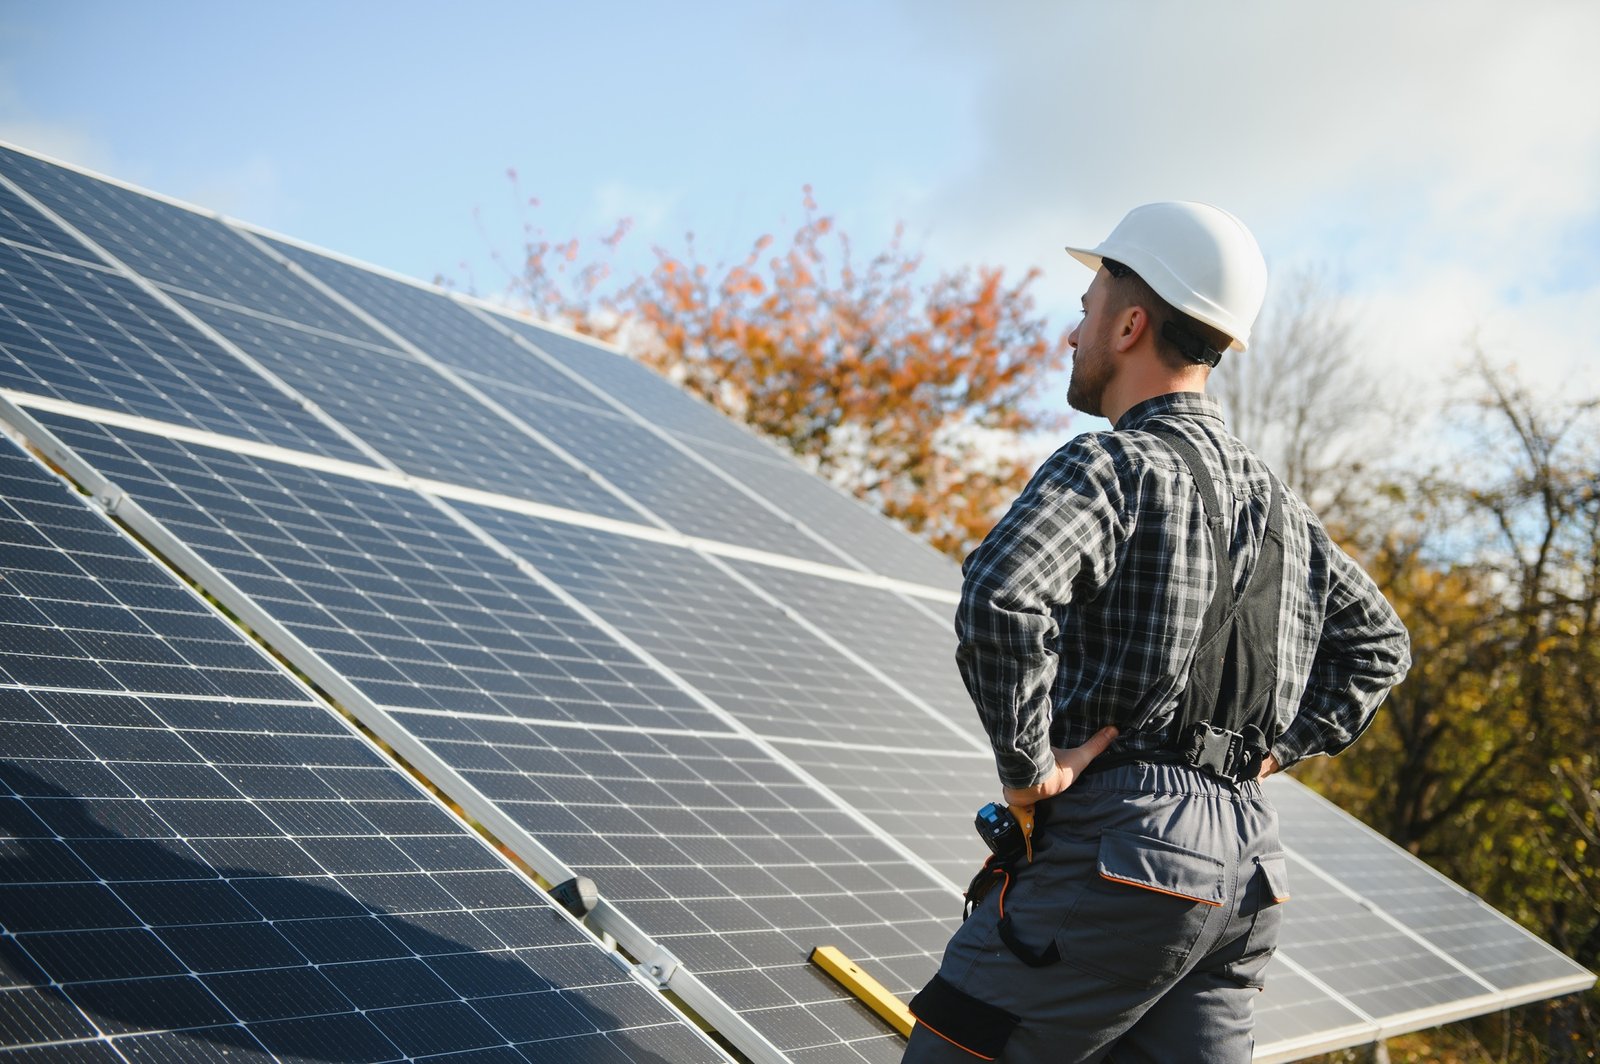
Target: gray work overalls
(1139, 930)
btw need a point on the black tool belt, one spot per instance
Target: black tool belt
(1233, 757)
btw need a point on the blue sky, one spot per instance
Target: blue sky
(1441, 158)
(376, 129)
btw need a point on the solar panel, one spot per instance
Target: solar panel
(845, 524)
(809, 694)
(464, 656)
(639, 389)
(1298, 1016)
(1372, 964)
(410, 414)
(627, 635)
(384, 587)
(198, 860)
(22, 224)
(910, 639)
(1445, 917)
(85, 334)
(872, 540)
(691, 487)
(177, 248)
(740, 650)
(443, 327)
(666, 474)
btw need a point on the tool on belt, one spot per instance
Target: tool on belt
(1008, 832)
(1008, 843)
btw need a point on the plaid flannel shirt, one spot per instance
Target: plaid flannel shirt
(1083, 605)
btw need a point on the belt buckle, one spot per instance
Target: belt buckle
(1250, 761)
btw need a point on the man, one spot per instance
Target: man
(1105, 655)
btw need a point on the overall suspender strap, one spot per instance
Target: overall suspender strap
(1222, 601)
(1226, 717)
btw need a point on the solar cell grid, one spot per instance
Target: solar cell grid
(412, 415)
(674, 486)
(1293, 1008)
(1373, 964)
(199, 877)
(709, 847)
(21, 224)
(744, 653)
(914, 644)
(386, 589)
(441, 326)
(84, 334)
(847, 524)
(891, 785)
(866, 536)
(1447, 916)
(643, 390)
(682, 493)
(686, 494)
(68, 582)
(175, 247)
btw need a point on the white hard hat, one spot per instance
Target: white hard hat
(1197, 257)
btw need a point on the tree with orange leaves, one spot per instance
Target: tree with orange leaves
(911, 392)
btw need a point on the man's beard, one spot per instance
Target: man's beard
(1091, 372)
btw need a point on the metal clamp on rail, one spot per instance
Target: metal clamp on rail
(659, 968)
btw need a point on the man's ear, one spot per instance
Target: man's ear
(1132, 323)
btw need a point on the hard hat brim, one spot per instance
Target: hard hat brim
(1087, 256)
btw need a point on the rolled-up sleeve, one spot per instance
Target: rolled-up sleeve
(1363, 651)
(1060, 539)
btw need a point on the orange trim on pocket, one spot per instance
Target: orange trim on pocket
(1158, 890)
(952, 1041)
(1280, 899)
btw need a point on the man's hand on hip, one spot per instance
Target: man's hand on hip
(1070, 764)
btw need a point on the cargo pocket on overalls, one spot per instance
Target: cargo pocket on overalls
(962, 1020)
(1138, 920)
(1263, 905)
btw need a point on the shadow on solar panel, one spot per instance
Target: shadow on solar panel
(142, 936)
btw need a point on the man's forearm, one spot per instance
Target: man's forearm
(1008, 674)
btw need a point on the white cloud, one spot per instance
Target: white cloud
(62, 141)
(56, 141)
(1439, 153)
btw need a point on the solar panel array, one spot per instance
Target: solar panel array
(201, 860)
(629, 637)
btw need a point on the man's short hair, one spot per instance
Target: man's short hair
(1186, 348)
